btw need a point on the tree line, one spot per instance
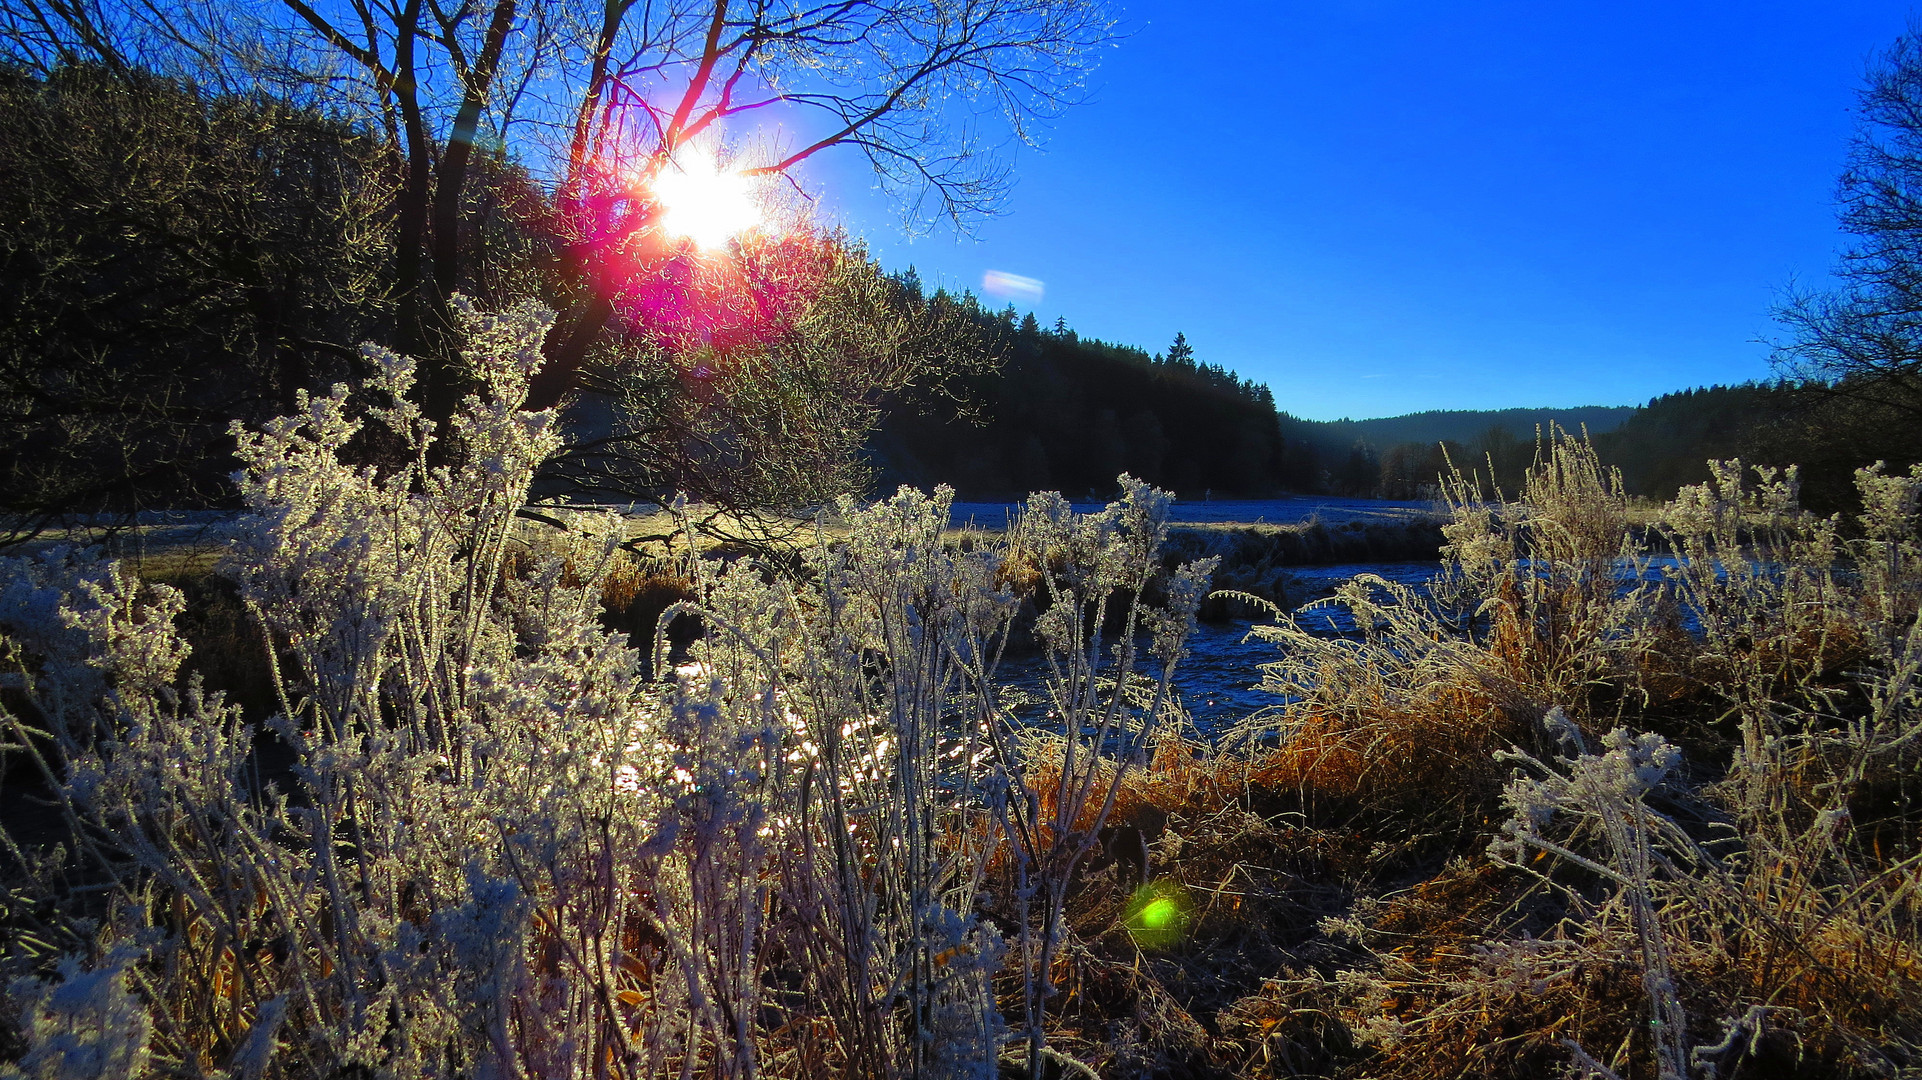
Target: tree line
(1661, 446)
(1067, 413)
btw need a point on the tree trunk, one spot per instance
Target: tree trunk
(566, 348)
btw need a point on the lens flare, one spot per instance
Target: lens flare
(1014, 287)
(703, 201)
(1157, 915)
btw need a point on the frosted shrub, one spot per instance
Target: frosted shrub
(1751, 897)
(1528, 613)
(1890, 560)
(891, 767)
(1765, 920)
(1556, 601)
(86, 1026)
(1606, 794)
(1094, 572)
(503, 846)
(1756, 573)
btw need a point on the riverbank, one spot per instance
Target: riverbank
(1261, 560)
(1260, 543)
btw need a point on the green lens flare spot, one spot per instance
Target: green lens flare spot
(1158, 915)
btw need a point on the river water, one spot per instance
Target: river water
(1286, 511)
(1217, 680)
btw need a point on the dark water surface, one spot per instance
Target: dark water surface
(1293, 510)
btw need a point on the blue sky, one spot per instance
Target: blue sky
(1383, 206)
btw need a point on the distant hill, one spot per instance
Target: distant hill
(1399, 457)
(1464, 426)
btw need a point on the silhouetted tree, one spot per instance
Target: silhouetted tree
(1181, 354)
(1863, 342)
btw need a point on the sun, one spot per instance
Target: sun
(703, 201)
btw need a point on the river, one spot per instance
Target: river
(1292, 510)
(1217, 679)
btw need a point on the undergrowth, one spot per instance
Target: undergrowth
(453, 822)
(411, 791)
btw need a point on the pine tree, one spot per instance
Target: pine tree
(1181, 354)
(910, 282)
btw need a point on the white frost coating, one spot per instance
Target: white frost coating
(502, 849)
(85, 1026)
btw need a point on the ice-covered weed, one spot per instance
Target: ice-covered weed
(1890, 559)
(1646, 923)
(1529, 612)
(85, 1025)
(1609, 789)
(499, 846)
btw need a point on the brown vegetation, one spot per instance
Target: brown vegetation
(1577, 806)
(1405, 871)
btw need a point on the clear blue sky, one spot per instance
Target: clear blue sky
(1383, 206)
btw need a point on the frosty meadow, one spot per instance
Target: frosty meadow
(1544, 815)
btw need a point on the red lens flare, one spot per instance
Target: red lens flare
(692, 258)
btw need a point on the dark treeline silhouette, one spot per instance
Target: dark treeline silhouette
(1069, 413)
(171, 262)
(1402, 457)
(1466, 425)
(1822, 427)
(1668, 442)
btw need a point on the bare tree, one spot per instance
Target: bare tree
(1864, 340)
(597, 95)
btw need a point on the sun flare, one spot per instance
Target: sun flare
(703, 201)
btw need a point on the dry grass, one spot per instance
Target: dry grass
(1574, 809)
(1373, 887)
